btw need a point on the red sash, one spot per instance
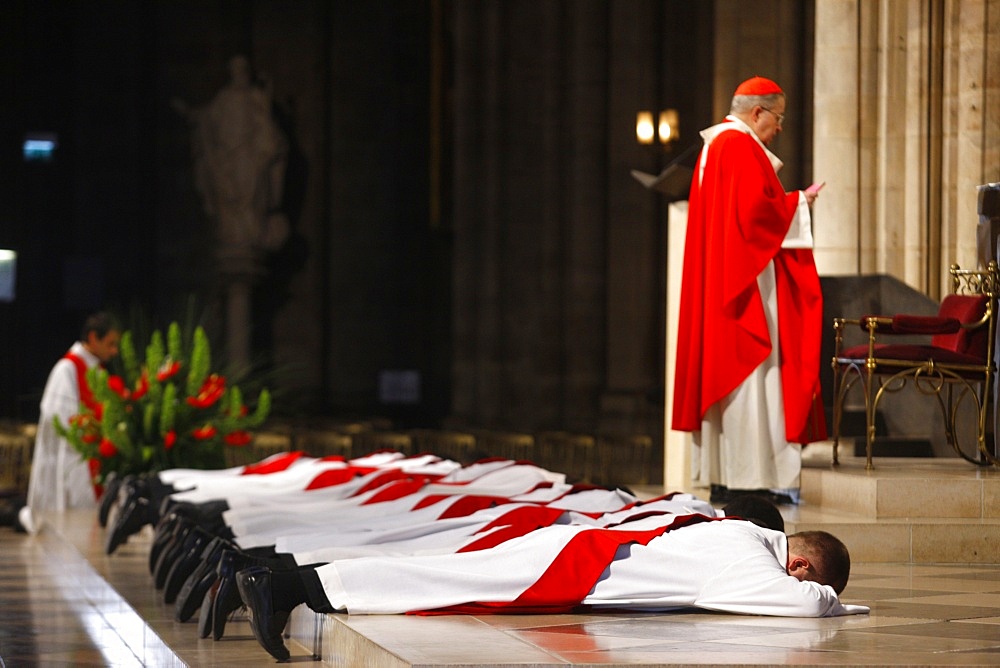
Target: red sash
(513, 524)
(273, 464)
(397, 489)
(87, 399)
(572, 574)
(86, 395)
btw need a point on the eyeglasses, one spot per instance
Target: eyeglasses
(779, 117)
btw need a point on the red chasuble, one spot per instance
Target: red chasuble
(738, 217)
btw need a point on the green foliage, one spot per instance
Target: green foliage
(166, 411)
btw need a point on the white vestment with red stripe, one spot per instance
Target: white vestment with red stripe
(724, 565)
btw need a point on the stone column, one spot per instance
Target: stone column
(971, 141)
(837, 146)
(238, 272)
(907, 124)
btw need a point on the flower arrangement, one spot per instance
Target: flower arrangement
(170, 411)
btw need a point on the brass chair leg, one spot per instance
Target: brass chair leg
(837, 408)
(869, 419)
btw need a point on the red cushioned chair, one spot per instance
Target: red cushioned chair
(957, 362)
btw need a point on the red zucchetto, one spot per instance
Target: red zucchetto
(759, 86)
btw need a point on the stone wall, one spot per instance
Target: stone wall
(907, 125)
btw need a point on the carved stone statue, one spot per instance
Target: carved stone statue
(240, 156)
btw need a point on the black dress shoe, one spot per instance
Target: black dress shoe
(167, 505)
(165, 532)
(719, 494)
(171, 552)
(776, 498)
(227, 597)
(162, 536)
(781, 499)
(223, 597)
(132, 487)
(132, 518)
(267, 623)
(192, 597)
(112, 483)
(205, 620)
(185, 563)
(201, 579)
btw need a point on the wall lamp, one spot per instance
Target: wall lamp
(667, 130)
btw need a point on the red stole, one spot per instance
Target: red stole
(738, 217)
(86, 395)
(87, 399)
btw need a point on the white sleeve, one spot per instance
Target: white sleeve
(759, 586)
(333, 588)
(62, 392)
(800, 231)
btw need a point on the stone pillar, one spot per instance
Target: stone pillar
(907, 124)
(971, 142)
(837, 146)
(238, 271)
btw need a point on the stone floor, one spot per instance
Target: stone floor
(63, 602)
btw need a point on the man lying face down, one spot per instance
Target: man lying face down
(657, 563)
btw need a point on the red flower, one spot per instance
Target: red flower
(107, 449)
(117, 385)
(169, 439)
(141, 387)
(211, 391)
(237, 438)
(168, 370)
(204, 433)
(89, 438)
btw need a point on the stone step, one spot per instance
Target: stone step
(906, 510)
(900, 487)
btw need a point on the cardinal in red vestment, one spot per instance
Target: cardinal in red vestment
(748, 351)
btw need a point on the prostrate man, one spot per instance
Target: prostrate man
(747, 371)
(653, 563)
(60, 479)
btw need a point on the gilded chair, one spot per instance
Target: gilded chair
(955, 365)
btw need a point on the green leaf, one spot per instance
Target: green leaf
(126, 350)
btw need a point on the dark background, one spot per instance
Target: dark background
(458, 187)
